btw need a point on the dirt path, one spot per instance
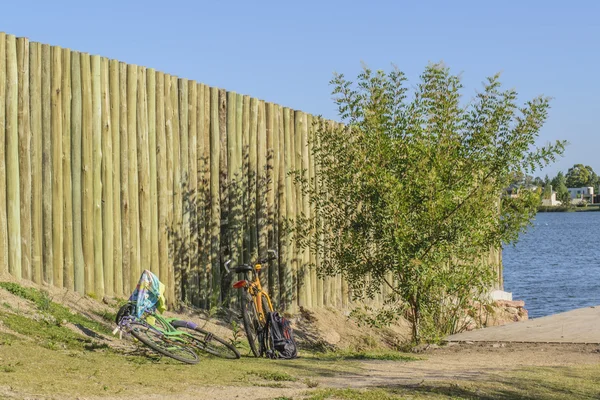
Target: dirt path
(466, 362)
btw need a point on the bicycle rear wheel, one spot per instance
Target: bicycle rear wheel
(268, 345)
(252, 325)
(206, 341)
(161, 343)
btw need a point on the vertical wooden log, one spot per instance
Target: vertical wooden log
(274, 242)
(234, 229)
(87, 168)
(108, 245)
(309, 277)
(76, 163)
(191, 202)
(68, 272)
(12, 159)
(169, 123)
(177, 185)
(316, 282)
(143, 160)
(24, 155)
(115, 157)
(162, 188)
(124, 164)
(284, 267)
(328, 294)
(178, 234)
(151, 101)
(47, 256)
(182, 187)
(215, 199)
(270, 195)
(204, 153)
(228, 238)
(303, 282)
(240, 187)
(200, 192)
(320, 258)
(3, 199)
(238, 172)
(252, 181)
(224, 191)
(57, 177)
(345, 292)
(290, 275)
(246, 174)
(97, 177)
(134, 216)
(262, 185)
(35, 113)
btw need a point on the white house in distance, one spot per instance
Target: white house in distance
(551, 201)
(581, 194)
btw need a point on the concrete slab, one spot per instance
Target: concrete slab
(576, 326)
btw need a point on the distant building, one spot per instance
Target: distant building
(551, 201)
(581, 194)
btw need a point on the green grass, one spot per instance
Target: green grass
(107, 316)
(74, 372)
(365, 355)
(276, 376)
(45, 305)
(47, 334)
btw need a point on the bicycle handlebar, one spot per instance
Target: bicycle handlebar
(226, 265)
(271, 255)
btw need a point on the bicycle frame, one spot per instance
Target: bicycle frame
(164, 326)
(255, 289)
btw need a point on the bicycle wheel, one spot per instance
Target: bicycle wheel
(251, 323)
(206, 341)
(268, 345)
(161, 343)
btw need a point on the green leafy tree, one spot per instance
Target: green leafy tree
(409, 191)
(580, 176)
(547, 193)
(559, 185)
(546, 180)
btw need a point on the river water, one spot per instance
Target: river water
(555, 266)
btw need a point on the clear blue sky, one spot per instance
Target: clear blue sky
(286, 52)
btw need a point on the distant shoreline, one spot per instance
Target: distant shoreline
(592, 208)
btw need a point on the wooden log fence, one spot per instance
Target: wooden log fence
(108, 169)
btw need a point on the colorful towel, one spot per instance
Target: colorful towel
(148, 294)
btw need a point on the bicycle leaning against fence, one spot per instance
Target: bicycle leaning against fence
(256, 303)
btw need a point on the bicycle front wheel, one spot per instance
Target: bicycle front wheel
(252, 325)
(161, 343)
(207, 341)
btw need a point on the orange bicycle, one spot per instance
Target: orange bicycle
(256, 303)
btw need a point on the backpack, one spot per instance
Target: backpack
(281, 337)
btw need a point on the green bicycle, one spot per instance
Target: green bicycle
(180, 340)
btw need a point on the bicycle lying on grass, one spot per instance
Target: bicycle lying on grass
(181, 340)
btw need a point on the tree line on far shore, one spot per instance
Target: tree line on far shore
(577, 176)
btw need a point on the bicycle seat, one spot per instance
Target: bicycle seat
(243, 268)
